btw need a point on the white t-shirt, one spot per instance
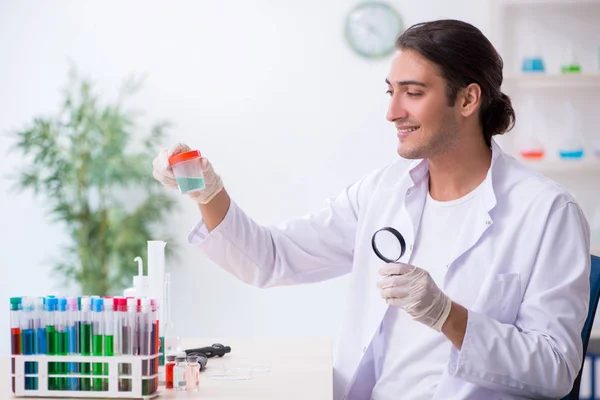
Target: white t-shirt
(415, 355)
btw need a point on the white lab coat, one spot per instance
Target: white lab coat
(521, 269)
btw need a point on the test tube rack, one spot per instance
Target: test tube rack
(113, 378)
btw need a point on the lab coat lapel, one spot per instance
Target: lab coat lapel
(474, 226)
(479, 220)
(405, 216)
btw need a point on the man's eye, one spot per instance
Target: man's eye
(390, 92)
(413, 94)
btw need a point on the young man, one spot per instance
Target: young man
(490, 298)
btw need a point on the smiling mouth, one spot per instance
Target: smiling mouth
(408, 130)
(404, 132)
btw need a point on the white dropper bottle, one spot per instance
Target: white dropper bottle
(140, 282)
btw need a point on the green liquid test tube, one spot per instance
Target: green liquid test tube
(51, 347)
(61, 342)
(85, 342)
(97, 341)
(109, 342)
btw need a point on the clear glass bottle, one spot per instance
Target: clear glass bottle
(180, 374)
(193, 374)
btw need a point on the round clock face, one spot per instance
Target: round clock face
(372, 29)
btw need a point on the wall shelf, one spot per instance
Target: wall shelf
(584, 165)
(542, 80)
(548, 2)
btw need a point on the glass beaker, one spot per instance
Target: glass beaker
(570, 64)
(531, 146)
(571, 147)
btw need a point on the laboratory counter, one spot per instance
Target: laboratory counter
(257, 368)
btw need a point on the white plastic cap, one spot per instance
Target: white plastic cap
(27, 303)
(109, 304)
(146, 304)
(39, 303)
(85, 303)
(132, 303)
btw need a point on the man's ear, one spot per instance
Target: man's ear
(470, 99)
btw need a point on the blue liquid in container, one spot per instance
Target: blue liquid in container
(187, 184)
(28, 341)
(72, 349)
(571, 154)
(40, 341)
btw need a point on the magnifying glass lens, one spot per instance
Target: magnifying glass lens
(388, 245)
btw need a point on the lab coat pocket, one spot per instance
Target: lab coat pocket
(503, 298)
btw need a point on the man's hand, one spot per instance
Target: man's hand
(413, 290)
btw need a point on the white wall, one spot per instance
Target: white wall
(268, 90)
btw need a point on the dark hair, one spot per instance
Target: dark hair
(464, 56)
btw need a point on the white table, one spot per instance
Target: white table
(280, 368)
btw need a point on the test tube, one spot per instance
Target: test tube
(118, 325)
(27, 341)
(72, 317)
(85, 341)
(109, 326)
(15, 332)
(97, 341)
(51, 304)
(15, 325)
(120, 306)
(146, 342)
(130, 342)
(78, 328)
(40, 326)
(154, 341)
(61, 341)
(135, 325)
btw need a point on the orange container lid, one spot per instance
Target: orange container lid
(188, 155)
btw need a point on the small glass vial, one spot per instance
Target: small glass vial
(169, 371)
(193, 374)
(179, 374)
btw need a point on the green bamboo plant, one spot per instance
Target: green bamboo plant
(96, 180)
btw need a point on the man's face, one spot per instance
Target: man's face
(418, 107)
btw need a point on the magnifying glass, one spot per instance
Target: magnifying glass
(388, 244)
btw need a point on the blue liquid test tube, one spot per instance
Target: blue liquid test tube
(28, 341)
(72, 336)
(40, 326)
